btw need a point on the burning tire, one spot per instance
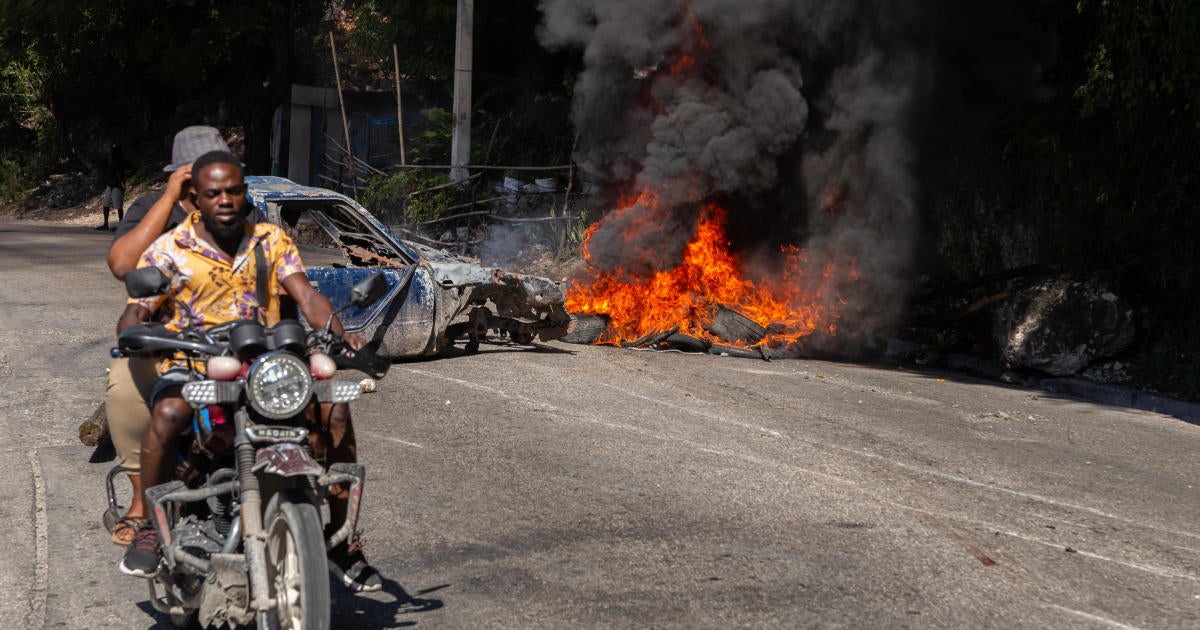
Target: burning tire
(733, 327)
(588, 329)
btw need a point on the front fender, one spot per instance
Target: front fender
(286, 460)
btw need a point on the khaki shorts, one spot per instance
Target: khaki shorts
(130, 382)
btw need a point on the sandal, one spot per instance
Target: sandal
(125, 529)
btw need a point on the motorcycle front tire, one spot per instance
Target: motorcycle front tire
(297, 570)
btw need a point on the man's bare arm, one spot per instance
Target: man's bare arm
(134, 314)
(317, 308)
(124, 253)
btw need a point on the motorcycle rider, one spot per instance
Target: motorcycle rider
(209, 261)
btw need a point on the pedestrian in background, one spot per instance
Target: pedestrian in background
(114, 184)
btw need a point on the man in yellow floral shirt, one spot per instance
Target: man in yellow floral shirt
(210, 261)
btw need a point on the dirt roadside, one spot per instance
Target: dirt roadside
(70, 198)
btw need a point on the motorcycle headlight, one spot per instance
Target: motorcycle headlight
(279, 385)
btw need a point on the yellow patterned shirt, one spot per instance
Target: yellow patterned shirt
(215, 288)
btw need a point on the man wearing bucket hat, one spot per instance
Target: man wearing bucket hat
(130, 380)
(155, 213)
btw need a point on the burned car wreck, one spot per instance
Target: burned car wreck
(433, 298)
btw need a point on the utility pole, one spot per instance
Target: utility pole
(460, 143)
(399, 109)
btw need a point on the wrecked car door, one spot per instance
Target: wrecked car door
(338, 250)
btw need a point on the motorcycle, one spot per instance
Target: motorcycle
(240, 524)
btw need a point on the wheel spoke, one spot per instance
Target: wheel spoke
(296, 572)
(286, 577)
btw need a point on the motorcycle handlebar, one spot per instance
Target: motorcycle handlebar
(145, 340)
(155, 339)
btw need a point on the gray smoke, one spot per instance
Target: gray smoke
(742, 124)
(716, 128)
(507, 245)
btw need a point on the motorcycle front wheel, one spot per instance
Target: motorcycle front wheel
(296, 567)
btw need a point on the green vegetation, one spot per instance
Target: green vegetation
(1118, 146)
(390, 197)
(75, 78)
(10, 180)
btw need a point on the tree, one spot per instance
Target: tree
(135, 70)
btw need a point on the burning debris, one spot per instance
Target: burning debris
(705, 297)
(738, 196)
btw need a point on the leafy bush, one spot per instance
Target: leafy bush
(430, 143)
(10, 180)
(388, 196)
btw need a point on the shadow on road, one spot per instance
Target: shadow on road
(493, 345)
(351, 610)
(382, 609)
(104, 452)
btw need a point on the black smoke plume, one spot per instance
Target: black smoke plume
(804, 118)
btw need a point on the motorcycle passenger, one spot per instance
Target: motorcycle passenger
(130, 379)
(209, 259)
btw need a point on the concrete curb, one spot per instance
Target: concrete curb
(1102, 393)
(1107, 394)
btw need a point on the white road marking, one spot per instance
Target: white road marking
(858, 453)
(389, 438)
(759, 371)
(922, 470)
(1154, 570)
(1055, 518)
(1025, 495)
(626, 427)
(41, 554)
(1091, 617)
(1189, 549)
(695, 412)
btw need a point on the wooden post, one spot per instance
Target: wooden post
(460, 143)
(399, 109)
(566, 225)
(345, 123)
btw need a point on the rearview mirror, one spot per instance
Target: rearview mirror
(146, 282)
(367, 290)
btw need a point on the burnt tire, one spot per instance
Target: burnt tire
(588, 329)
(687, 343)
(297, 571)
(733, 327)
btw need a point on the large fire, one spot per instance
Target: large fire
(794, 299)
(791, 302)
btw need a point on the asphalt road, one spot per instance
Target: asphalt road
(591, 487)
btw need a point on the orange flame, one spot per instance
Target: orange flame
(709, 275)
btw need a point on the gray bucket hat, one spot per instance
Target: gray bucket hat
(192, 142)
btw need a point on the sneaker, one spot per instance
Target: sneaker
(143, 556)
(348, 564)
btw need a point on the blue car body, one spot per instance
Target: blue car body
(433, 298)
